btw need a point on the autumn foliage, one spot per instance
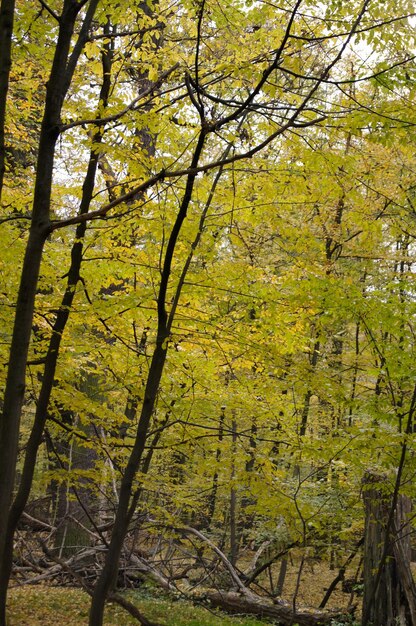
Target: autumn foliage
(206, 288)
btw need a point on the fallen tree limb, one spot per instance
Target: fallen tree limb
(132, 609)
(233, 602)
(112, 597)
(250, 577)
(231, 570)
(150, 572)
(34, 523)
(239, 600)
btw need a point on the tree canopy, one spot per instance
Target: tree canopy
(206, 278)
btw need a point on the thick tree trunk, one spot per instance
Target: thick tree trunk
(6, 31)
(60, 77)
(49, 371)
(15, 382)
(389, 589)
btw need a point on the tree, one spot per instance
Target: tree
(6, 28)
(213, 108)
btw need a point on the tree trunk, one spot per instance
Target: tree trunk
(233, 499)
(16, 375)
(75, 507)
(212, 498)
(6, 31)
(60, 77)
(282, 576)
(129, 495)
(389, 589)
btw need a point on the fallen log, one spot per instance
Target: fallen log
(284, 612)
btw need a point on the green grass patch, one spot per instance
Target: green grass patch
(49, 606)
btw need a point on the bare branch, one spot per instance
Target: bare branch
(131, 107)
(49, 10)
(349, 81)
(235, 577)
(163, 174)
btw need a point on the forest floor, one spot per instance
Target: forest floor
(62, 606)
(41, 605)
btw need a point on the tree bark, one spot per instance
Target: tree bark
(128, 497)
(6, 31)
(389, 592)
(60, 77)
(212, 498)
(15, 383)
(233, 497)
